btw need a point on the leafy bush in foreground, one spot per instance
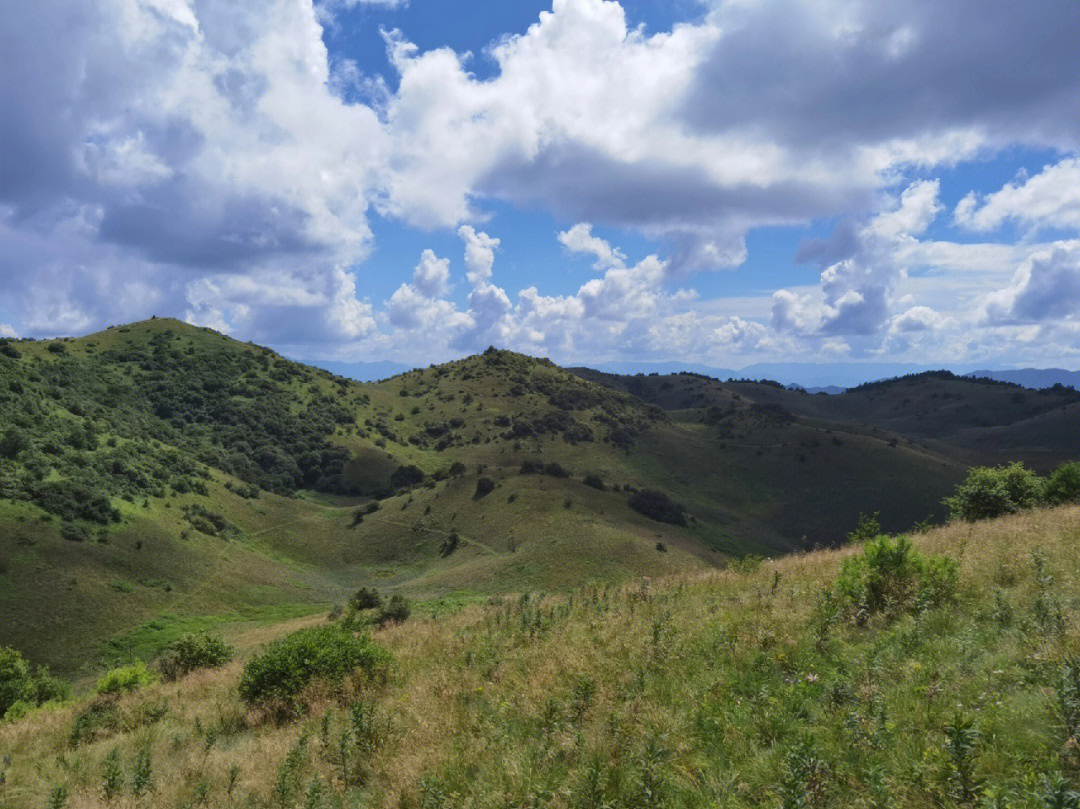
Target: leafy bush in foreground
(126, 678)
(1063, 485)
(194, 651)
(658, 506)
(993, 491)
(22, 688)
(287, 666)
(892, 574)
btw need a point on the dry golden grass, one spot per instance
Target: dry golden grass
(488, 706)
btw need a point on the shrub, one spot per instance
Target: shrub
(594, 480)
(14, 672)
(868, 528)
(366, 599)
(406, 476)
(194, 651)
(995, 491)
(484, 486)
(892, 573)
(13, 442)
(1063, 485)
(556, 470)
(396, 611)
(22, 689)
(287, 666)
(658, 506)
(126, 678)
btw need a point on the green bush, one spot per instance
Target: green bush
(658, 506)
(396, 610)
(194, 651)
(1063, 485)
(22, 688)
(287, 666)
(126, 678)
(995, 491)
(14, 672)
(594, 480)
(484, 486)
(366, 599)
(892, 574)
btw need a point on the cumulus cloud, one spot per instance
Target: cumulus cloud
(212, 158)
(1046, 287)
(919, 318)
(580, 239)
(855, 288)
(1050, 198)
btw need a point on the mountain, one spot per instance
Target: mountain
(1034, 377)
(159, 477)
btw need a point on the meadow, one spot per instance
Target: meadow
(762, 684)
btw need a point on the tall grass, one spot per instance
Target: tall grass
(738, 688)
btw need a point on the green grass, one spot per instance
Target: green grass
(147, 640)
(740, 688)
(169, 396)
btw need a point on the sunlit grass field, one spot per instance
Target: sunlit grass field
(736, 687)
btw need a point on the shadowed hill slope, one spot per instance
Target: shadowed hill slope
(973, 421)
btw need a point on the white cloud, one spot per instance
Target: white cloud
(919, 318)
(856, 289)
(1049, 199)
(7, 330)
(432, 275)
(1046, 287)
(580, 239)
(213, 158)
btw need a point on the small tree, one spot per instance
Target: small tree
(1063, 485)
(396, 611)
(366, 599)
(995, 491)
(867, 528)
(484, 486)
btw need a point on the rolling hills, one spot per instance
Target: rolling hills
(157, 478)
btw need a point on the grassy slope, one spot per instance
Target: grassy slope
(151, 576)
(704, 689)
(753, 483)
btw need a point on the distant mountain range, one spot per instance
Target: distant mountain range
(1034, 377)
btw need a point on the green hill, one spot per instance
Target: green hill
(159, 477)
(942, 674)
(970, 420)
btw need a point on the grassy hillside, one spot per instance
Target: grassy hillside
(746, 687)
(159, 477)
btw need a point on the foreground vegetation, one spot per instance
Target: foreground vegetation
(941, 669)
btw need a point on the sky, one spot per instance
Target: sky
(720, 182)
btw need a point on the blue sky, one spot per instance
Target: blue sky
(719, 182)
